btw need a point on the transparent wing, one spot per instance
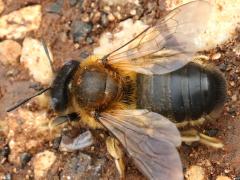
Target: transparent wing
(168, 45)
(150, 139)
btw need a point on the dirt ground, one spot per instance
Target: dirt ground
(55, 28)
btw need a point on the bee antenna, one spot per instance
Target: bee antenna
(48, 55)
(27, 99)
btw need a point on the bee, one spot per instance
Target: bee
(140, 91)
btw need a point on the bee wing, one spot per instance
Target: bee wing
(150, 139)
(175, 38)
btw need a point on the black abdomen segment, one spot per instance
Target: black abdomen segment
(187, 93)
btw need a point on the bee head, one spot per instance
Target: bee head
(59, 89)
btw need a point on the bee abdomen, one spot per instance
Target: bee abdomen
(187, 93)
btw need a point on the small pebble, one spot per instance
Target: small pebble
(102, 135)
(119, 8)
(104, 19)
(223, 178)
(73, 2)
(234, 97)
(63, 37)
(107, 9)
(118, 15)
(236, 49)
(56, 143)
(54, 8)
(84, 54)
(96, 17)
(89, 40)
(226, 171)
(42, 163)
(232, 110)
(232, 83)
(7, 176)
(93, 5)
(237, 178)
(133, 12)
(222, 67)
(14, 170)
(111, 17)
(2, 6)
(5, 151)
(10, 52)
(78, 166)
(76, 45)
(195, 173)
(216, 56)
(24, 159)
(85, 18)
(80, 30)
(212, 132)
(12, 72)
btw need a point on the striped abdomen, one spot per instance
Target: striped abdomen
(185, 94)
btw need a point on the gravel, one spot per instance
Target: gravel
(55, 7)
(35, 59)
(17, 24)
(82, 167)
(24, 159)
(80, 30)
(42, 163)
(10, 52)
(2, 6)
(5, 151)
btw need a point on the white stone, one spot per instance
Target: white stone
(17, 24)
(216, 56)
(195, 173)
(35, 59)
(42, 163)
(1, 6)
(223, 178)
(10, 51)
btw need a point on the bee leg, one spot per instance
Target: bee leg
(200, 59)
(210, 141)
(197, 122)
(191, 136)
(182, 124)
(114, 149)
(65, 118)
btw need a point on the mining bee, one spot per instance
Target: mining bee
(141, 91)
